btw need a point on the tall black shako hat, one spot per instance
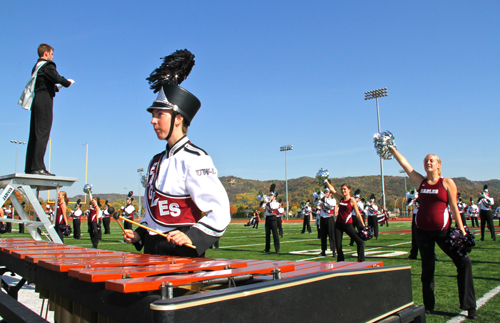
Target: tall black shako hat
(165, 81)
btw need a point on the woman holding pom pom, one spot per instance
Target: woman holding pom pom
(347, 206)
(433, 222)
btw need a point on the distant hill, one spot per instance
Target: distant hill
(243, 192)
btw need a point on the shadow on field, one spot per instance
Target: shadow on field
(442, 313)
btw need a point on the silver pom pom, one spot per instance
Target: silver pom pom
(87, 188)
(144, 180)
(322, 176)
(382, 141)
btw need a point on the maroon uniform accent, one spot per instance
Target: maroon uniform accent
(345, 211)
(59, 215)
(92, 215)
(433, 213)
(169, 210)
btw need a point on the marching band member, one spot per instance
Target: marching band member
(414, 202)
(473, 211)
(306, 215)
(344, 221)
(279, 218)
(182, 181)
(373, 216)
(485, 214)
(433, 222)
(316, 211)
(462, 207)
(60, 218)
(271, 225)
(106, 218)
(77, 214)
(128, 211)
(92, 222)
(328, 206)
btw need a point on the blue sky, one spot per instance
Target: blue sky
(268, 74)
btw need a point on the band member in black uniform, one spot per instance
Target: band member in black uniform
(485, 213)
(128, 211)
(92, 222)
(306, 215)
(462, 207)
(473, 213)
(373, 216)
(182, 182)
(279, 218)
(60, 218)
(271, 224)
(437, 197)
(42, 110)
(106, 218)
(77, 214)
(328, 206)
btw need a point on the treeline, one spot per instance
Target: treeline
(243, 192)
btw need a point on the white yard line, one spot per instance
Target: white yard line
(483, 300)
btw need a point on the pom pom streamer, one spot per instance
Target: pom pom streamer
(365, 233)
(322, 176)
(460, 243)
(382, 141)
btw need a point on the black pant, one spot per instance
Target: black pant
(306, 224)
(76, 228)
(327, 229)
(373, 223)
(474, 219)
(279, 224)
(426, 241)
(59, 231)
(414, 246)
(127, 225)
(271, 225)
(356, 225)
(21, 227)
(105, 221)
(340, 228)
(40, 125)
(94, 234)
(487, 218)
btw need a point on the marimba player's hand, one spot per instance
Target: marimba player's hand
(131, 236)
(178, 237)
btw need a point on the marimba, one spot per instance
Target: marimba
(91, 285)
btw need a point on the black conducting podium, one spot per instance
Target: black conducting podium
(30, 186)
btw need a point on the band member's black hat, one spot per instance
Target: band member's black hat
(166, 80)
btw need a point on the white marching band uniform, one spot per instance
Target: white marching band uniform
(182, 183)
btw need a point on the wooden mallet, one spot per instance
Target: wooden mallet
(117, 217)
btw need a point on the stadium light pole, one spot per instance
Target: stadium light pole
(139, 171)
(285, 149)
(375, 94)
(404, 176)
(17, 142)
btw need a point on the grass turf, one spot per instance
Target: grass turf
(240, 242)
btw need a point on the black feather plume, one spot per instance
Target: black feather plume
(130, 194)
(78, 201)
(280, 200)
(372, 197)
(174, 70)
(357, 192)
(272, 188)
(485, 187)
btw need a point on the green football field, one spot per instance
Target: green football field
(392, 247)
